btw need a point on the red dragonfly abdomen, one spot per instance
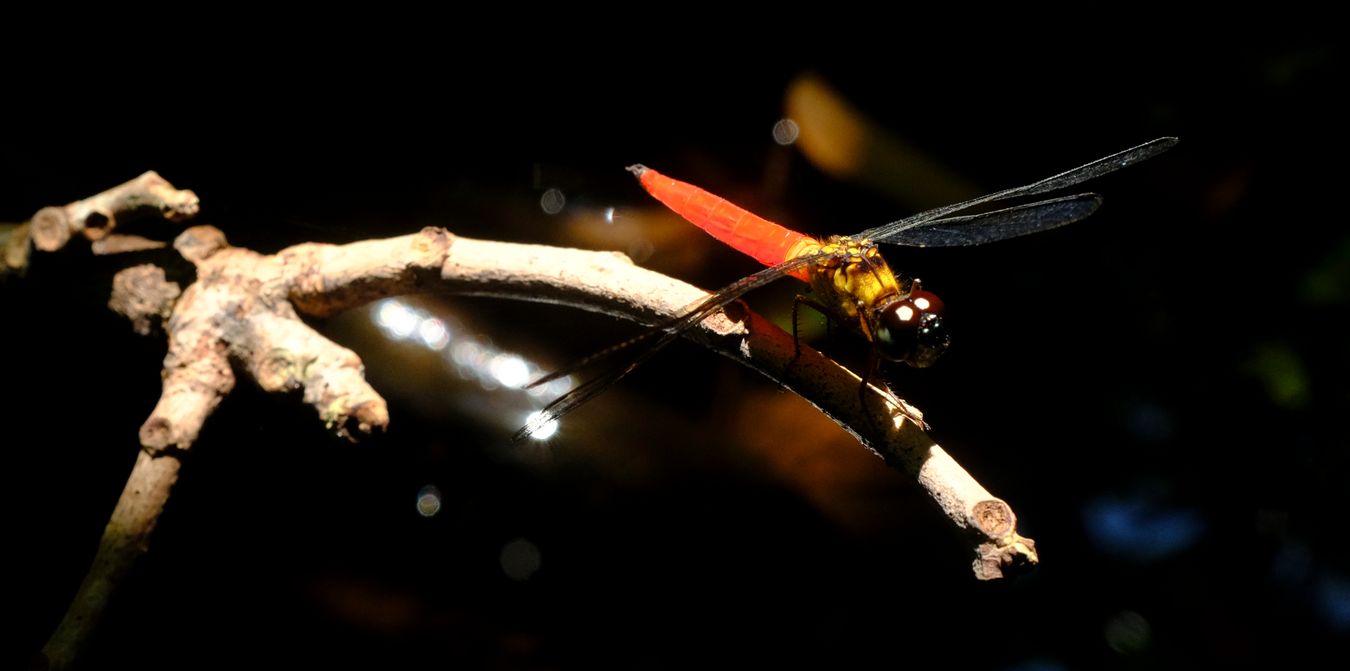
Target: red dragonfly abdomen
(749, 233)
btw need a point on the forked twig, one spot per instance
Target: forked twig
(243, 311)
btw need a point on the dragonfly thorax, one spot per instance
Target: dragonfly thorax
(853, 280)
(852, 277)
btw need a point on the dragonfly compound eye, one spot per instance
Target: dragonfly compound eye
(911, 330)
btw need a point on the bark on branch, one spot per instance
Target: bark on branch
(241, 311)
(98, 216)
(244, 309)
(96, 219)
(608, 282)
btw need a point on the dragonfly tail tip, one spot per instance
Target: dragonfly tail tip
(637, 169)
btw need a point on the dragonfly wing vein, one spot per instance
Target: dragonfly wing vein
(1065, 179)
(978, 229)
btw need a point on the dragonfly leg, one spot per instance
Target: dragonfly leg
(873, 362)
(796, 304)
(873, 365)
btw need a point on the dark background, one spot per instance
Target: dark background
(1159, 392)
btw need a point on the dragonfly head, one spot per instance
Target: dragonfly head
(910, 329)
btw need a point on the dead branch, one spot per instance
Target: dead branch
(15, 246)
(125, 539)
(98, 216)
(240, 309)
(96, 219)
(244, 308)
(608, 282)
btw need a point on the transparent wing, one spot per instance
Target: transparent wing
(892, 232)
(977, 229)
(642, 347)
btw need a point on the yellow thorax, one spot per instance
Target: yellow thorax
(851, 277)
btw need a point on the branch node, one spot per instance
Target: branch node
(15, 247)
(993, 517)
(199, 243)
(51, 228)
(97, 217)
(143, 295)
(173, 204)
(1010, 556)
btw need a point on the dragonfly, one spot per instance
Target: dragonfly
(850, 281)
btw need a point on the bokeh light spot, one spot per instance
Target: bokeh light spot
(540, 430)
(785, 132)
(1140, 528)
(1128, 633)
(428, 501)
(397, 319)
(433, 333)
(553, 201)
(510, 370)
(1333, 600)
(520, 559)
